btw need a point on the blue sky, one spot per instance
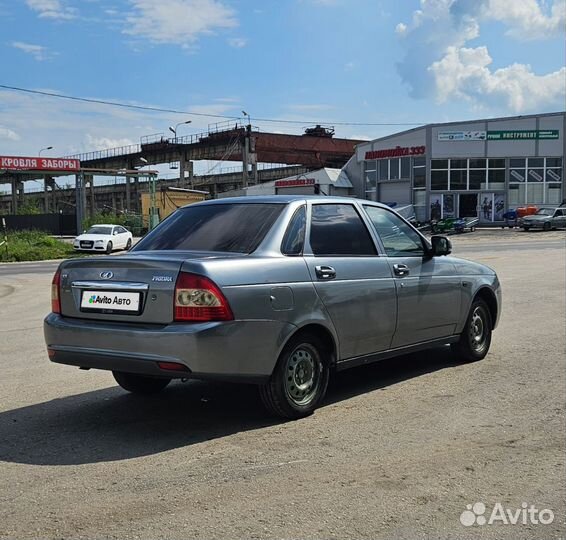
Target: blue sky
(359, 61)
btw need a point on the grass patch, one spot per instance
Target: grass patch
(33, 246)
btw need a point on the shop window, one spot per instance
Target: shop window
(405, 167)
(516, 195)
(517, 163)
(553, 162)
(516, 175)
(458, 179)
(371, 165)
(553, 194)
(371, 180)
(477, 179)
(458, 163)
(439, 180)
(393, 169)
(535, 193)
(496, 179)
(477, 163)
(419, 177)
(496, 163)
(535, 175)
(554, 175)
(439, 164)
(419, 203)
(419, 162)
(383, 169)
(535, 162)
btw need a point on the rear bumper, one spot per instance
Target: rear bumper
(243, 351)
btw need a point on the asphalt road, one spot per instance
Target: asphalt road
(399, 449)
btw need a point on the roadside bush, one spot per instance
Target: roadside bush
(34, 246)
(132, 222)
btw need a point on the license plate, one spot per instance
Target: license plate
(115, 301)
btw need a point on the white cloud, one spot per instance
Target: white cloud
(179, 22)
(464, 73)
(438, 64)
(52, 9)
(39, 52)
(7, 133)
(237, 43)
(527, 18)
(102, 143)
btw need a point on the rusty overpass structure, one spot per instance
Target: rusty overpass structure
(230, 141)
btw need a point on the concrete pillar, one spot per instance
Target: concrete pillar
(14, 196)
(191, 174)
(182, 168)
(128, 198)
(91, 206)
(46, 182)
(79, 201)
(254, 171)
(113, 201)
(245, 158)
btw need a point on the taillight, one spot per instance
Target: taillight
(55, 297)
(197, 298)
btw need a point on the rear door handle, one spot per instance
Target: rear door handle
(325, 272)
(401, 269)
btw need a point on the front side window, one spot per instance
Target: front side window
(294, 238)
(338, 230)
(236, 228)
(399, 239)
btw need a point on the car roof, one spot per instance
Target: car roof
(284, 199)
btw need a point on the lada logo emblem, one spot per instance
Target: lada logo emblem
(106, 275)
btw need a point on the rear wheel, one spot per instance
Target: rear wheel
(129, 244)
(546, 227)
(299, 382)
(140, 384)
(109, 248)
(526, 228)
(476, 336)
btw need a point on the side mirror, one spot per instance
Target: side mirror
(440, 246)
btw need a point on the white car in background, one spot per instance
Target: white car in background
(104, 238)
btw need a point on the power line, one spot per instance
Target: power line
(208, 115)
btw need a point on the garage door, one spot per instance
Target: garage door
(398, 192)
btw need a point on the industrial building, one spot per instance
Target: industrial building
(476, 168)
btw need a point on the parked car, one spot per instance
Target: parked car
(277, 291)
(546, 218)
(104, 238)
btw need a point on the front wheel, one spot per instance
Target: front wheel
(546, 227)
(140, 384)
(475, 338)
(300, 379)
(128, 244)
(109, 248)
(525, 228)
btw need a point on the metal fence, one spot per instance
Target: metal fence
(56, 224)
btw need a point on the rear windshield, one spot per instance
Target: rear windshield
(237, 228)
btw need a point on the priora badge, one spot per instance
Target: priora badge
(106, 275)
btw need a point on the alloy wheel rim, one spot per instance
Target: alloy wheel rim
(303, 375)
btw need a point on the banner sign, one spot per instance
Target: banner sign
(523, 134)
(18, 163)
(398, 151)
(462, 135)
(295, 182)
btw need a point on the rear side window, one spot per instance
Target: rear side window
(237, 228)
(337, 229)
(294, 238)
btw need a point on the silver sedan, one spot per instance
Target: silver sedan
(278, 291)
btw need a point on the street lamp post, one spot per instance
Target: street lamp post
(174, 130)
(46, 148)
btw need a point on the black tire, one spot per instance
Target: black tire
(546, 227)
(475, 338)
(525, 228)
(300, 379)
(109, 248)
(140, 384)
(128, 244)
